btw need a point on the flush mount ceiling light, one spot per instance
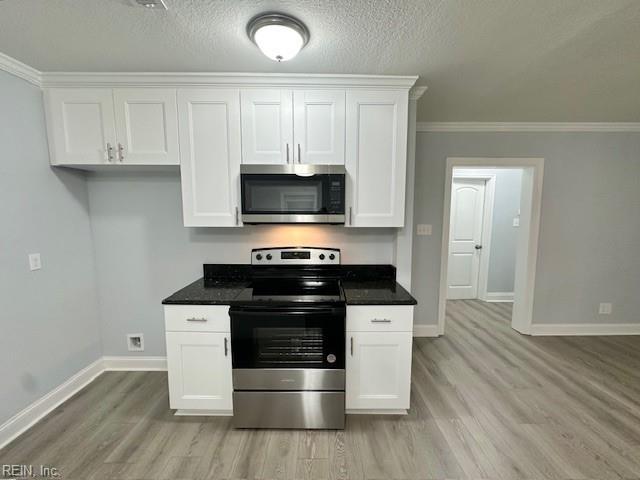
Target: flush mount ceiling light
(158, 4)
(280, 37)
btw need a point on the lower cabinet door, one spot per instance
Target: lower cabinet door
(378, 370)
(199, 366)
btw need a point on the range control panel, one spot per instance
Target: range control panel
(295, 256)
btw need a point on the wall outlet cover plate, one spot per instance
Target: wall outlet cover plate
(424, 229)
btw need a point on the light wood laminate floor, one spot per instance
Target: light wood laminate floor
(486, 402)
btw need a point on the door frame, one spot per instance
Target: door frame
(528, 234)
(487, 226)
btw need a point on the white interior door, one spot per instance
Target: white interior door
(465, 237)
(319, 126)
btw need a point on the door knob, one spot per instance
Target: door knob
(478, 247)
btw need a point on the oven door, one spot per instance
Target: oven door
(297, 337)
(293, 194)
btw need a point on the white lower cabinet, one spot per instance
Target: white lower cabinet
(199, 363)
(378, 366)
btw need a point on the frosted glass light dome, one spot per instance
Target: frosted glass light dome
(278, 36)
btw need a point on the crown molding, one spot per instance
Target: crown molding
(528, 127)
(417, 91)
(19, 69)
(152, 79)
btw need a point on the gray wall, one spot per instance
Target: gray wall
(504, 236)
(49, 321)
(144, 253)
(590, 226)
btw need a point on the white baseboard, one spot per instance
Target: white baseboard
(181, 412)
(24, 419)
(586, 329)
(135, 363)
(425, 330)
(499, 297)
(377, 411)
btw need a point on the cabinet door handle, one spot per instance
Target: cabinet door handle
(226, 347)
(352, 346)
(120, 152)
(350, 216)
(287, 153)
(196, 319)
(109, 153)
(299, 154)
(237, 217)
(380, 320)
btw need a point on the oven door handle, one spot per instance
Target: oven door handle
(261, 311)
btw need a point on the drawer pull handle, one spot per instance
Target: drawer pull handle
(195, 319)
(380, 320)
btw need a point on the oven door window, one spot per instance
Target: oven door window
(292, 194)
(285, 340)
(288, 345)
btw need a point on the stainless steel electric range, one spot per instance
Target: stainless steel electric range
(288, 341)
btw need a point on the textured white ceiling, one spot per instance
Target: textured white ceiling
(492, 60)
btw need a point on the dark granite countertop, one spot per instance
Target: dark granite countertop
(376, 292)
(205, 292)
(357, 292)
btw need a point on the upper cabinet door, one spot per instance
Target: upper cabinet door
(209, 122)
(81, 126)
(267, 126)
(147, 126)
(376, 157)
(319, 126)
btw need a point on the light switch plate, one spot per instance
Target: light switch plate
(35, 262)
(516, 222)
(605, 309)
(424, 229)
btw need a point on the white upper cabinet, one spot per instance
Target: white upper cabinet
(81, 126)
(376, 157)
(319, 126)
(267, 126)
(147, 126)
(209, 122)
(97, 126)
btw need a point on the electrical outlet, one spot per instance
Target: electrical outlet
(35, 263)
(424, 229)
(135, 342)
(605, 309)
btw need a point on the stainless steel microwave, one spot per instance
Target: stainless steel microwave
(293, 193)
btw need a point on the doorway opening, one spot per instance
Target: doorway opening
(490, 235)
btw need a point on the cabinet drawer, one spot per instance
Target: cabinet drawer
(380, 318)
(197, 318)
